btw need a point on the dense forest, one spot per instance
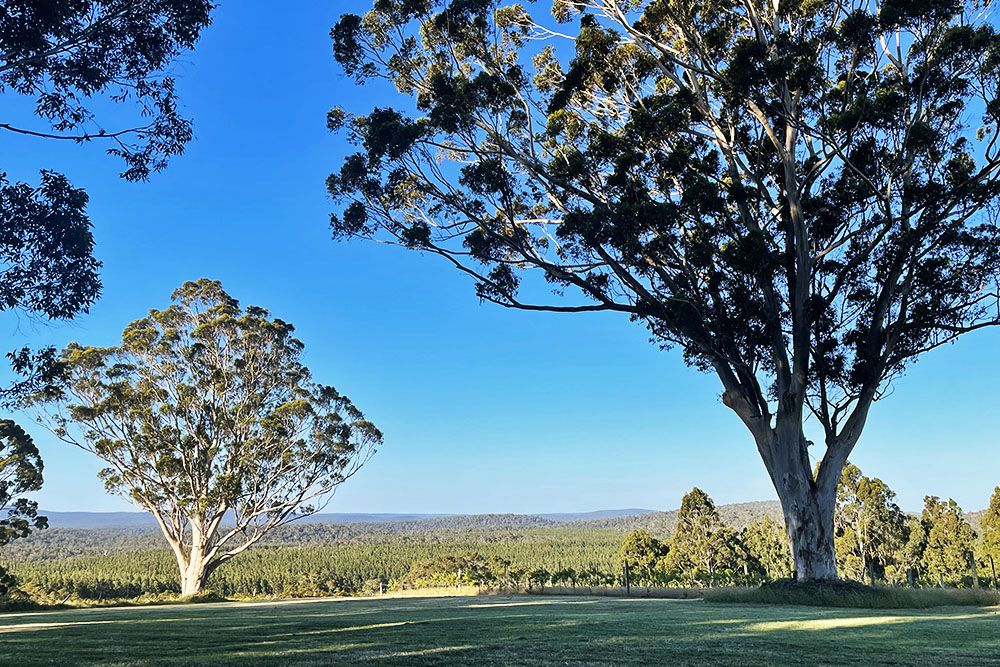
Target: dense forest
(698, 545)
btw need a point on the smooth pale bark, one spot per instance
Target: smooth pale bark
(808, 501)
(193, 577)
(195, 562)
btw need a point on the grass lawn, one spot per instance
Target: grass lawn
(499, 631)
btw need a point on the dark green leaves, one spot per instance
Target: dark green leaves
(20, 472)
(46, 248)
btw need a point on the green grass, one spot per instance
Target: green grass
(533, 630)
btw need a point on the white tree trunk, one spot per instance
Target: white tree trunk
(193, 566)
(193, 578)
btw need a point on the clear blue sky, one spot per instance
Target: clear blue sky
(484, 410)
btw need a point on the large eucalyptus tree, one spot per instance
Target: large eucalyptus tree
(206, 417)
(797, 193)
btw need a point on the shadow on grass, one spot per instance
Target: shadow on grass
(500, 631)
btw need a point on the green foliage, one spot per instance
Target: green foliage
(948, 540)
(703, 550)
(324, 566)
(78, 51)
(46, 248)
(990, 527)
(870, 527)
(641, 553)
(767, 547)
(206, 414)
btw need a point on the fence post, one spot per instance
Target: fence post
(628, 586)
(993, 567)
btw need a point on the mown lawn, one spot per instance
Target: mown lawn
(499, 631)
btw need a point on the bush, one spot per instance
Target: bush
(853, 594)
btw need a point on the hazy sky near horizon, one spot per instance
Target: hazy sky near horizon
(483, 409)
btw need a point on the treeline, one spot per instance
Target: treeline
(342, 569)
(875, 541)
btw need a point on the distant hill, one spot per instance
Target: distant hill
(660, 524)
(92, 520)
(131, 530)
(102, 520)
(598, 515)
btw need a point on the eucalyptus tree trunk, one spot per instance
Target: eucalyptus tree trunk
(193, 562)
(193, 577)
(808, 513)
(808, 504)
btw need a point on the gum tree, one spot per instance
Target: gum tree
(796, 194)
(870, 528)
(207, 418)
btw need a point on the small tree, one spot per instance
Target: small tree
(208, 419)
(767, 545)
(949, 540)
(640, 552)
(795, 193)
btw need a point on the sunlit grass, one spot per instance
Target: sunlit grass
(498, 631)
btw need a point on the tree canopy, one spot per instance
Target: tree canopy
(66, 53)
(870, 527)
(72, 57)
(947, 539)
(206, 417)
(990, 528)
(799, 194)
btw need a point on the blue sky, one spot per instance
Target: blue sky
(484, 410)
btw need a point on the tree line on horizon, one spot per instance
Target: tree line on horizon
(876, 543)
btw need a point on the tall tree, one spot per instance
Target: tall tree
(640, 552)
(949, 540)
(989, 526)
(870, 527)
(796, 194)
(767, 546)
(703, 548)
(206, 417)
